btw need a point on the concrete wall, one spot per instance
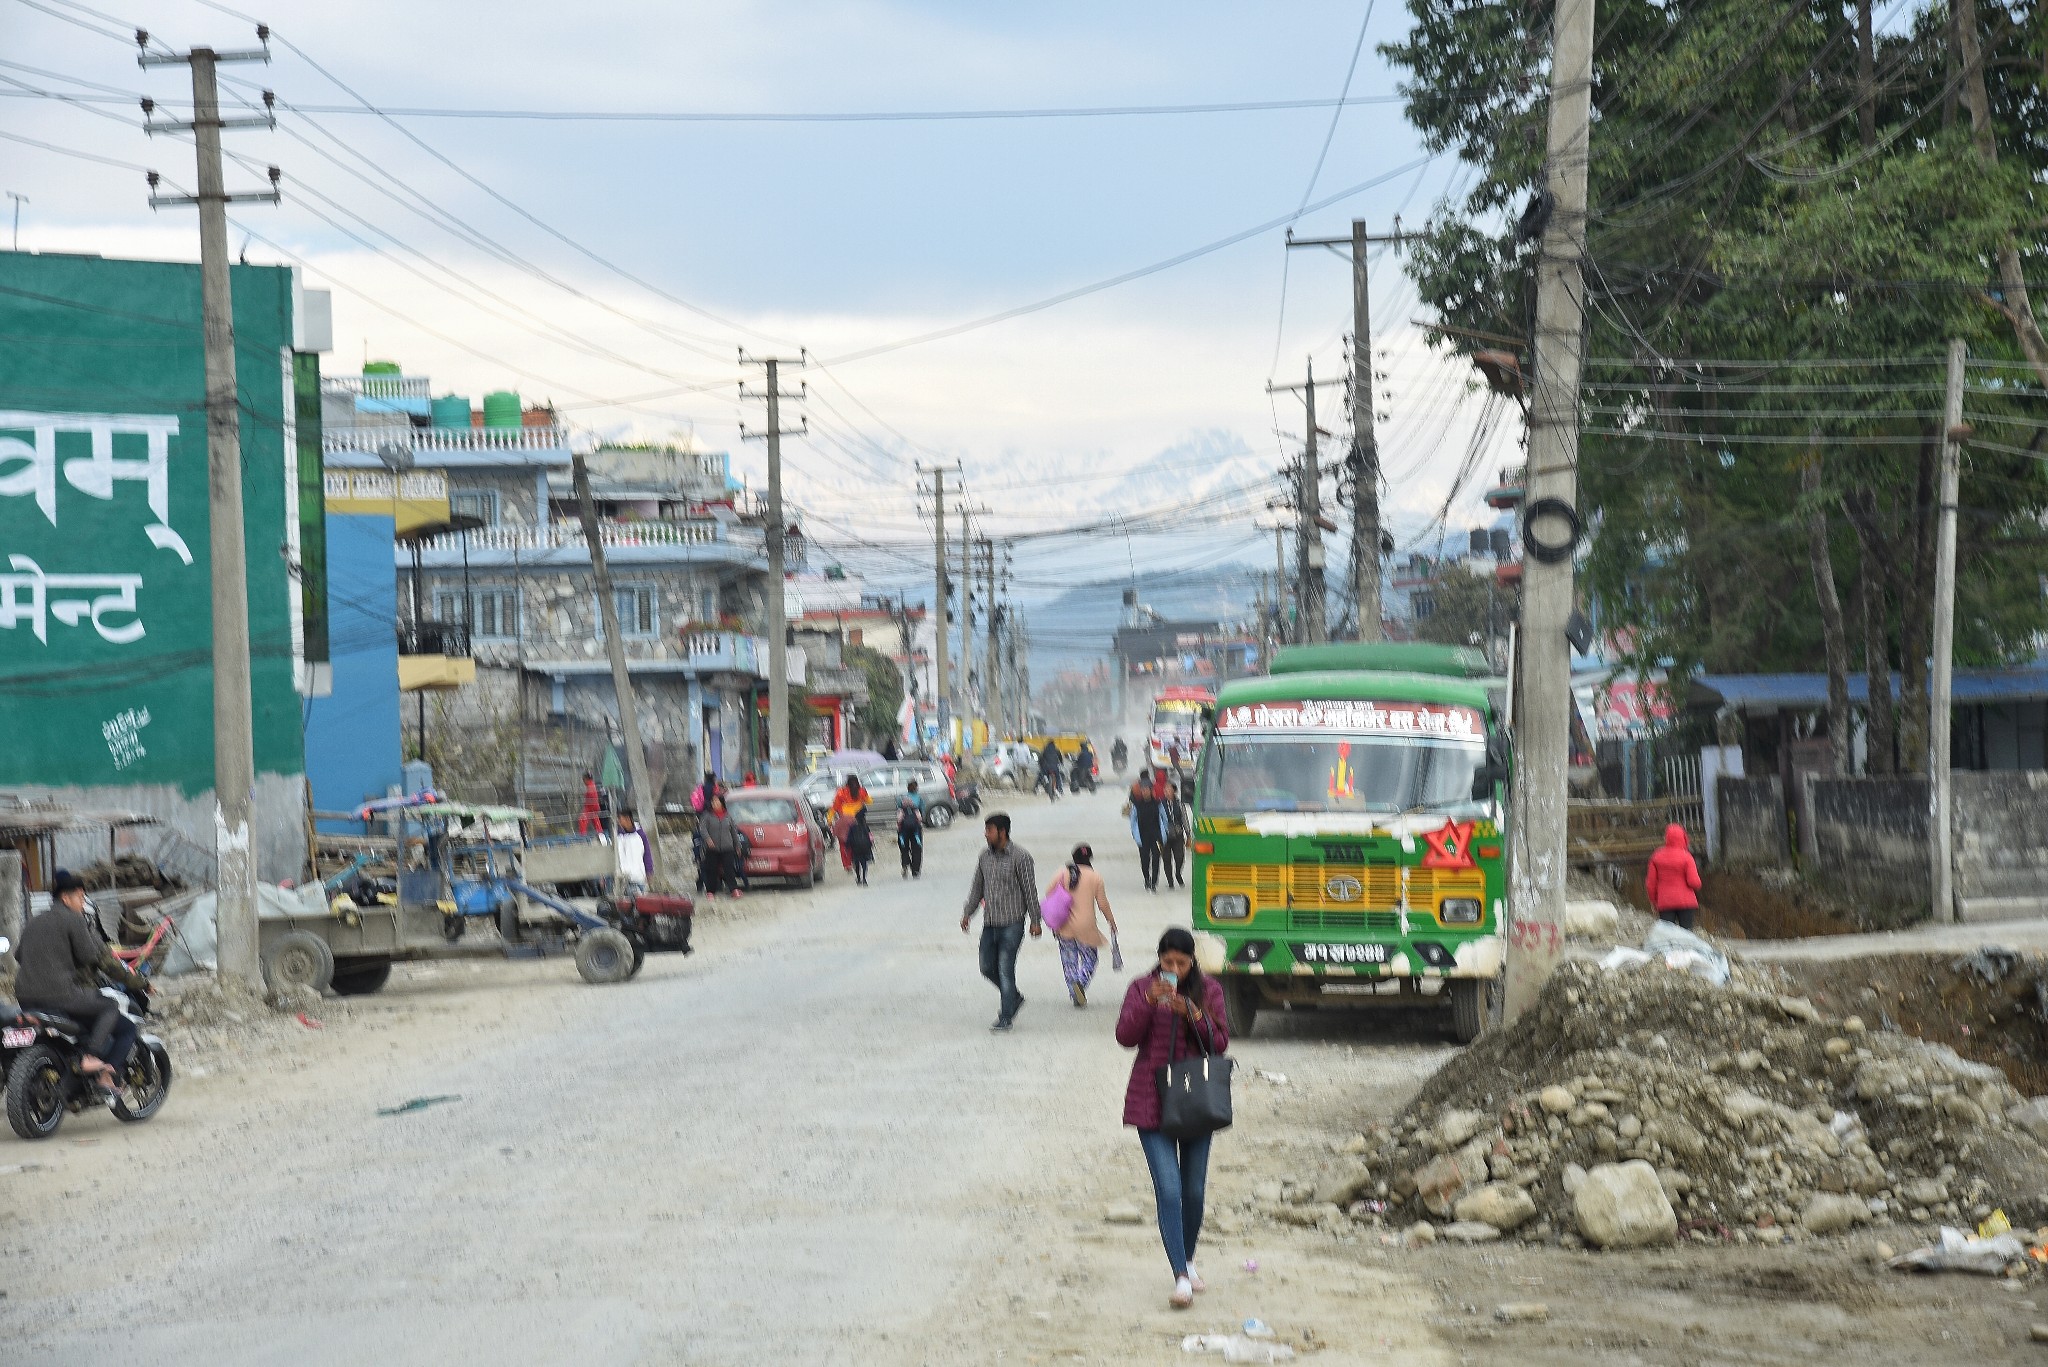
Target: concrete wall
(277, 825)
(1752, 819)
(2001, 844)
(1869, 838)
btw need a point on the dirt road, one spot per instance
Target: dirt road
(801, 1144)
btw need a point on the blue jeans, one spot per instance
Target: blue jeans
(999, 946)
(1180, 1176)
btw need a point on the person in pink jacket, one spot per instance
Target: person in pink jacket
(1173, 1011)
(1673, 880)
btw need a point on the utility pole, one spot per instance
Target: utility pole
(1363, 464)
(966, 709)
(778, 616)
(234, 748)
(1280, 631)
(991, 680)
(1536, 893)
(941, 622)
(1942, 866)
(615, 650)
(1310, 598)
(19, 200)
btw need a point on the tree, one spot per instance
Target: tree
(1460, 606)
(877, 716)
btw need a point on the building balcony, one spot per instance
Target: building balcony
(433, 655)
(448, 446)
(377, 386)
(698, 653)
(519, 545)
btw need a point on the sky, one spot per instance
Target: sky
(669, 245)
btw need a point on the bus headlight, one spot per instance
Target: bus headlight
(1459, 911)
(1229, 906)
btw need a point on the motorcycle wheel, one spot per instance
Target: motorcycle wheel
(35, 1092)
(146, 1085)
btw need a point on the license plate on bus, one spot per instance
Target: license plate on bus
(17, 1036)
(1341, 954)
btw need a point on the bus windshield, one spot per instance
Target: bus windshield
(1339, 773)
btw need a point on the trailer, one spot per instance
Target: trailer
(470, 882)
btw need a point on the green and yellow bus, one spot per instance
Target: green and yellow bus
(1349, 834)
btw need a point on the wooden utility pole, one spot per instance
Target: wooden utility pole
(1941, 833)
(615, 649)
(1363, 464)
(1543, 742)
(234, 746)
(1310, 597)
(778, 607)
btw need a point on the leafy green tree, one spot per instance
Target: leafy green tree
(877, 716)
(1460, 606)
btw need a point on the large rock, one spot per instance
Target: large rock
(1592, 920)
(1500, 1204)
(1622, 1205)
(1442, 1180)
(1454, 1127)
(1557, 1100)
(1470, 1232)
(2031, 1116)
(1675, 1133)
(1344, 1187)
(1826, 1214)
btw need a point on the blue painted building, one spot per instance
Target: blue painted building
(352, 735)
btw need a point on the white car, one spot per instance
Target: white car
(1011, 764)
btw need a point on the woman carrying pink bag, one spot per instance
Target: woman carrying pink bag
(1068, 908)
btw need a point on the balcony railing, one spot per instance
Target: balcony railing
(433, 638)
(736, 652)
(569, 536)
(377, 386)
(428, 440)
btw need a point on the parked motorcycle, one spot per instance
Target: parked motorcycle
(968, 797)
(39, 1053)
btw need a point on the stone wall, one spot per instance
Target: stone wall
(1752, 820)
(558, 609)
(1869, 838)
(2001, 844)
(517, 491)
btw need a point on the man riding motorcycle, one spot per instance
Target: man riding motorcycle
(1049, 770)
(1084, 768)
(60, 960)
(1119, 756)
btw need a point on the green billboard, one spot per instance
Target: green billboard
(105, 620)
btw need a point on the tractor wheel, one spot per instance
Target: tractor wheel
(298, 958)
(604, 956)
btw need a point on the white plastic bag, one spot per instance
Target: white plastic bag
(1680, 948)
(1960, 1252)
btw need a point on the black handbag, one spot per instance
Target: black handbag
(1194, 1092)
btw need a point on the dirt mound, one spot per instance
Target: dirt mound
(1756, 1110)
(210, 1002)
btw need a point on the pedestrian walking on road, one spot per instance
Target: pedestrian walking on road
(1080, 939)
(591, 818)
(1005, 888)
(910, 831)
(1173, 825)
(850, 800)
(1175, 1010)
(1673, 880)
(721, 850)
(861, 842)
(1145, 829)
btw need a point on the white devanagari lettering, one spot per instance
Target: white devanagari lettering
(33, 596)
(14, 608)
(93, 474)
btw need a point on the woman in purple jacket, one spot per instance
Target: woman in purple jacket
(1173, 1011)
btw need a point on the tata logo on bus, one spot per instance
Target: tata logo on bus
(1425, 720)
(1344, 889)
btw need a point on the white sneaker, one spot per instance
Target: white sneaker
(1183, 1294)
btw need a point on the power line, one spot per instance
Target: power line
(865, 116)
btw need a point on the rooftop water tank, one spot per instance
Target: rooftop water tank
(501, 409)
(1482, 544)
(451, 410)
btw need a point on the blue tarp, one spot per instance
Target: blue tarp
(1798, 692)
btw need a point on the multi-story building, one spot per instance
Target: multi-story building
(505, 587)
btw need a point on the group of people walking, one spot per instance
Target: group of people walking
(1172, 1012)
(1159, 825)
(850, 806)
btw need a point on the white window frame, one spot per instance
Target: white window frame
(486, 498)
(629, 622)
(450, 596)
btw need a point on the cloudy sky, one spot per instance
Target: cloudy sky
(614, 266)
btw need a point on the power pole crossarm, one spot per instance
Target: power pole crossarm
(778, 618)
(1543, 740)
(234, 751)
(1311, 600)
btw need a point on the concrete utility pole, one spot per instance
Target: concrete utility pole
(778, 608)
(991, 679)
(941, 623)
(615, 649)
(1536, 894)
(1311, 601)
(966, 628)
(1941, 830)
(1364, 460)
(234, 747)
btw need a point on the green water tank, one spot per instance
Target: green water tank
(451, 410)
(501, 409)
(382, 368)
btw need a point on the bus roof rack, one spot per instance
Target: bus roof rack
(1406, 657)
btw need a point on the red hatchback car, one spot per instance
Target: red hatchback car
(783, 837)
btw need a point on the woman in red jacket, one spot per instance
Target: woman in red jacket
(1673, 880)
(1173, 1011)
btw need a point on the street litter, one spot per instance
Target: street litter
(1621, 956)
(1522, 1312)
(1276, 1079)
(418, 1103)
(1251, 1264)
(1681, 949)
(1256, 1328)
(309, 1022)
(1237, 1348)
(1960, 1252)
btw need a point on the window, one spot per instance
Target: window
(494, 612)
(1422, 605)
(481, 504)
(639, 608)
(707, 605)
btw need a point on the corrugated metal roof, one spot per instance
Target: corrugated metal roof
(1765, 693)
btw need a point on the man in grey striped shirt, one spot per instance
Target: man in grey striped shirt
(1006, 886)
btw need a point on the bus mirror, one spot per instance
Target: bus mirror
(1486, 778)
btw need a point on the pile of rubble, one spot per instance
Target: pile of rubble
(1641, 1106)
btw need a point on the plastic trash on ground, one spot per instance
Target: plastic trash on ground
(1960, 1252)
(1237, 1348)
(1621, 956)
(1681, 949)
